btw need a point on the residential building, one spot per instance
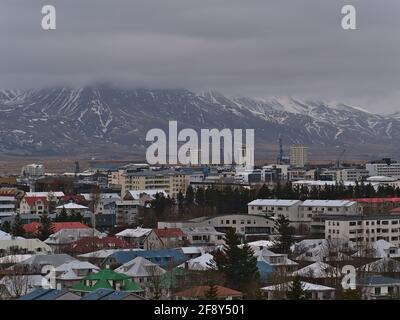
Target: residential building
(165, 258)
(298, 156)
(7, 206)
(203, 236)
(379, 287)
(20, 245)
(32, 170)
(199, 293)
(171, 181)
(313, 291)
(135, 237)
(141, 271)
(386, 167)
(110, 294)
(249, 226)
(377, 205)
(107, 279)
(49, 294)
(164, 238)
(126, 212)
(364, 229)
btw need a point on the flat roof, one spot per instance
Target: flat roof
(365, 217)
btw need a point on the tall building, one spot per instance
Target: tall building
(32, 170)
(298, 156)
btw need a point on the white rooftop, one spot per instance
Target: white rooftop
(140, 267)
(72, 206)
(327, 203)
(273, 202)
(57, 194)
(317, 270)
(134, 233)
(201, 263)
(306, 286)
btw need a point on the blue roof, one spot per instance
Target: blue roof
(160, 257)
(97, 294)
(43, 294)
(264, 269)
(34, 294)
(106, 294)
(379, 280)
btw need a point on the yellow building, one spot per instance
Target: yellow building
(171, 181)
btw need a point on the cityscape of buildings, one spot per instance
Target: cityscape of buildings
(136, 231)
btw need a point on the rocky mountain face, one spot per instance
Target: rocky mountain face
(109, 122)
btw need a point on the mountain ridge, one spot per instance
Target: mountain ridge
(111, 122)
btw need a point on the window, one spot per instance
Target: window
(377, 291)
(352, 223)
(233, 221)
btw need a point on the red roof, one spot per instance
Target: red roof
(89, 244)
(31, 200)
(395, 210)
(375, 200)
(33, 227)
(200, 291)
(169, 233)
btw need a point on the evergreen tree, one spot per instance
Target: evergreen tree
(180, 200)
(62, 216)
(200, 197)
(17, 229)
(45, 228)
(263, 192)
(212, 292)
(297, 291)
(189, 196)
(6, 226)
(238, 265)
(285, 238)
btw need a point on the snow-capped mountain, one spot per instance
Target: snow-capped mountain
(110, 122)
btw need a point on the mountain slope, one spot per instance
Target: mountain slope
(111, 122)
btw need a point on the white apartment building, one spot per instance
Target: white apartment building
(364, 229)
(352, 174)
(298, 156)
(7, 206)
(32, 170)
(303, 212)
(172, 182)
(384, 169)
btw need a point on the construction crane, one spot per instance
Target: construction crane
(280, 154)
(339, 158)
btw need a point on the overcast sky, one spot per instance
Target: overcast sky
(253, 47)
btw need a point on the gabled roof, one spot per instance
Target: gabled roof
(307, 286)
(102, 281)
(122, 257)
(46, 294)
(200, 291)
(317, 270)
(33, 227)
(134, 233)
(72, 206)
(379, 280)
(32, 200)
(169, 232)
(109, 294)
(140, 267)
(201, 263)
(87, 244)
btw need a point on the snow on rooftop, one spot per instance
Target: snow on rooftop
(306, 286)
(274, 202)
(134, 233)
(327, 203)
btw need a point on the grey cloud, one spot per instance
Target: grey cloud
(255, 47)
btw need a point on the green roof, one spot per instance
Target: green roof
(102, 279)
(106, 274)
